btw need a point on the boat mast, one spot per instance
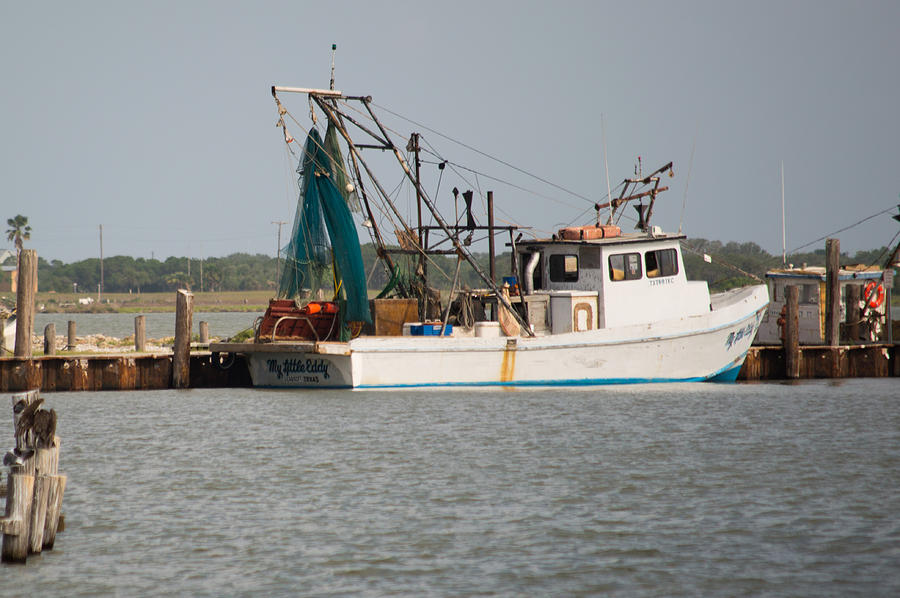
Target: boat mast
(369, 216)
(327, 102)
(414, 144)
(460, 250)
(332, 114)
(643, 213)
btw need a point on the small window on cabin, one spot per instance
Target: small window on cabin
(809, 293)
(663, 262)
(625, 266)
(563, 268)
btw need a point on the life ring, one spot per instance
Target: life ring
(876, 296)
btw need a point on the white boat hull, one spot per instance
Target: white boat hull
(710, 346)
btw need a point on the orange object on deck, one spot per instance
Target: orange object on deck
(589, 233)
(283, 320)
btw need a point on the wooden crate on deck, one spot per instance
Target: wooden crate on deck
(389, 315)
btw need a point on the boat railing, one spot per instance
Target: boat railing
(306, 319)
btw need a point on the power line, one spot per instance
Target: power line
(842, 230)
(486, 155)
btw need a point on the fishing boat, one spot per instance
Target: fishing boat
(870, 317)
(588, 304)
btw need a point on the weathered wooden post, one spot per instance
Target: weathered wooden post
(35, 488)
(204, 332)
(851, 307)
(832, 292)
(140, 333)
(792, 332)
(50, 339)
(181, 358)
(70, 343)
(27, 284)
(19, 493)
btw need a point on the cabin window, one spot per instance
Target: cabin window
(809, 293)
(625, 266)
(563, 268)
(663, 262)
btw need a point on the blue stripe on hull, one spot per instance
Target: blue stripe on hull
(728, 375)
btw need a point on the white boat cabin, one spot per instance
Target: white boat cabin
(811, 311)
(579, 285)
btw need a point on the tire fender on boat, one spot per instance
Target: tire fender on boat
(222, 363)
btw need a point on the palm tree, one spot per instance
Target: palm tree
(19, 231)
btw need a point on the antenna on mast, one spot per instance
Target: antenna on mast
(606, 164)
(333, 49)
(783, 237)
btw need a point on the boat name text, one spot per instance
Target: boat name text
(734, 337)
(289, 366)
(660, 281)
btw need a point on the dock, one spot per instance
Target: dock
(193, 365)
(123, 371)
(130, 371)
(816, 361)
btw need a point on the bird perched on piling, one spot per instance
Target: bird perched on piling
(26, 417)
(17, 457)
(44, 427)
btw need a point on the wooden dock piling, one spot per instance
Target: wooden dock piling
(70, 341)
(16, 521)
(34, 488)
(181, 357)
(50, 339)
(832, 292)
(851, 307)
(140, 333)
(792, 355)
(27, 285)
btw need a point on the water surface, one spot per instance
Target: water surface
(158, 325)
(658, 490)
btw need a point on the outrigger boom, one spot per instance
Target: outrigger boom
(321, 92)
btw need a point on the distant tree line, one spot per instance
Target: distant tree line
(242, 271)
(123, 274)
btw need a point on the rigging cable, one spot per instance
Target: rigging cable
(686, 183)
(433, 151)
(707, 258)
(486, 155)
(843, 229)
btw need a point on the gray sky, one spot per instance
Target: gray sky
(155, 119)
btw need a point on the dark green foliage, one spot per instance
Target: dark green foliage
(121, 274)
(242, 271)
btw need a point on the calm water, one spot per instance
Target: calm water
(666, 490)
(158, 325)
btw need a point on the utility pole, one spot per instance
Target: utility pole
(278, 250)
(100, 288)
